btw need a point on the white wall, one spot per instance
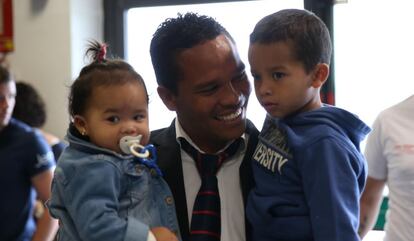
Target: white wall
(86, 24)
(50, 38)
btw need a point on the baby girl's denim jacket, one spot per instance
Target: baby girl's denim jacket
(98, 194)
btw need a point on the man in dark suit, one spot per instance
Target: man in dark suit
(200, 76)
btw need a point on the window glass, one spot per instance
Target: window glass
(373, 59)
(373, 55)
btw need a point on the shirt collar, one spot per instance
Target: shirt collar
(180, 133)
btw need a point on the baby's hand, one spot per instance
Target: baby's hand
(163, 234)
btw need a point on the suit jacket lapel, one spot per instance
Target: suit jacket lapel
(246, 174)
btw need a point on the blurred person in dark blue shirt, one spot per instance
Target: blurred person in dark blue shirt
(27, 169)
(31, 109)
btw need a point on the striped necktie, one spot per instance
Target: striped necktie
(206, 218)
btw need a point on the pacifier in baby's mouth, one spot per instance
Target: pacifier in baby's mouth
(146, 154)
(131, 145)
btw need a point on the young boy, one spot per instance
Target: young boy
(307, 166)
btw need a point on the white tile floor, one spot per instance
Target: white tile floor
(374, 236)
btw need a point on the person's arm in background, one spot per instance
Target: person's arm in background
(377, 175)
(46, 225)
(369, 205)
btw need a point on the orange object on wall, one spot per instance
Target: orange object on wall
(6, 26)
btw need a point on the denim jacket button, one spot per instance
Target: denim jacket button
(138, 169)
(169, 200)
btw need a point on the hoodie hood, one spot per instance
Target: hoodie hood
(330, 117)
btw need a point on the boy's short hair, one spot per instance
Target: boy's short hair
(175, 35)
(306, 32)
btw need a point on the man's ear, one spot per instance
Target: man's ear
(167, 97)
(320, 75)
(80, 124)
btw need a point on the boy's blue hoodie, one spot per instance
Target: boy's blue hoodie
(309, 175)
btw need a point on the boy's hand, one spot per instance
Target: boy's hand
(163, 234)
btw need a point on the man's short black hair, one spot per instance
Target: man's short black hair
(175, 35)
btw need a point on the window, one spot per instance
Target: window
(373, 55)
(143, 21)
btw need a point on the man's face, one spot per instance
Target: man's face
(213, 92)
(7, 100)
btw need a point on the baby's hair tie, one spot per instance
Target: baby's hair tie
(102, 53)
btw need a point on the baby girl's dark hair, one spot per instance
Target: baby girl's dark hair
(100, 72)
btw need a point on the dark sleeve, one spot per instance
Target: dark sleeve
(40, 154)
(331, 174)
(58, 149)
